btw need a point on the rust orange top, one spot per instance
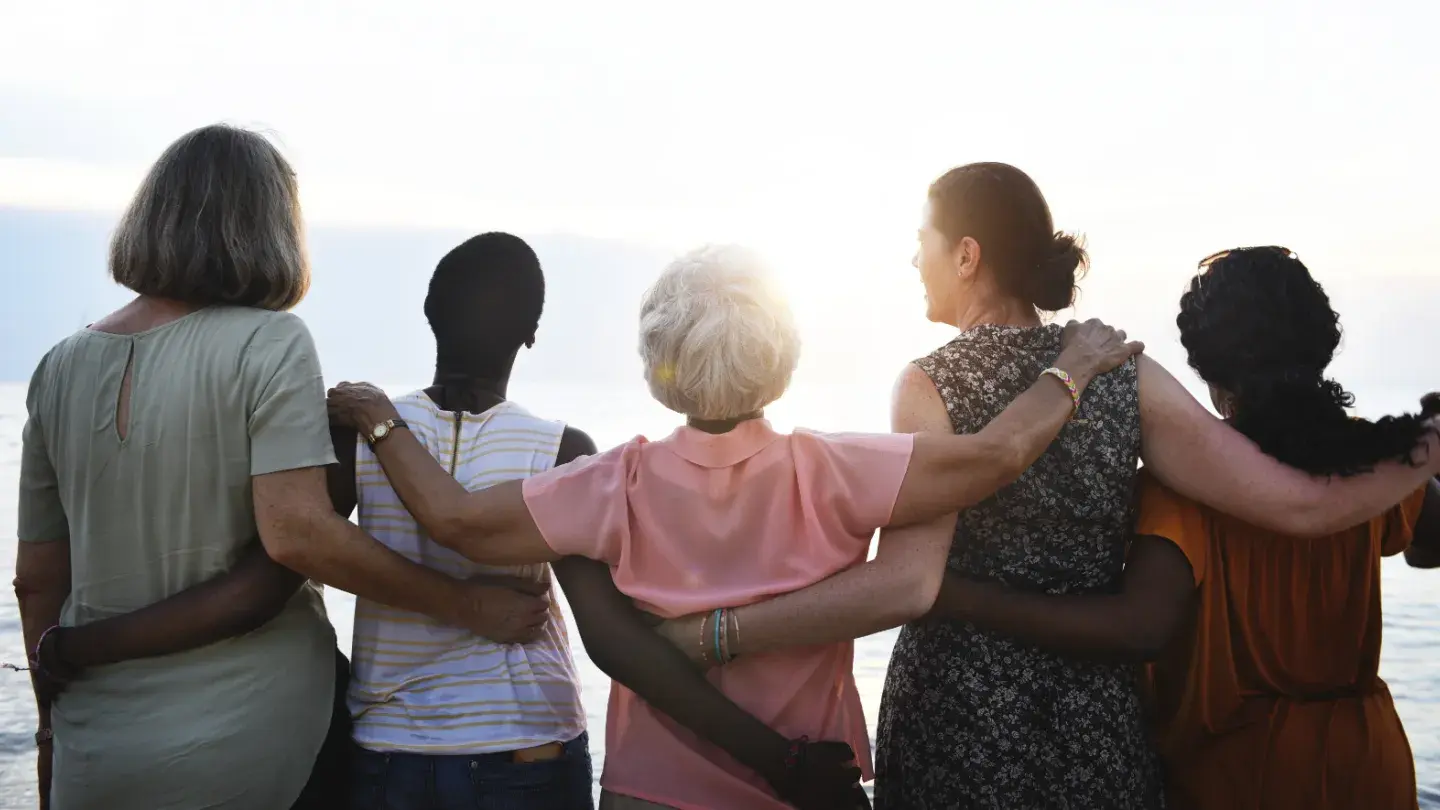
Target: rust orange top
(1272, 698)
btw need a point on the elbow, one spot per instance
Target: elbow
(920, 594)
(294, 542)
(603, 655)
(1422, 558)
(448, 529)
(1014, 459)
(33, 578)
(1308, 522)
(292, 556)
(908, 597)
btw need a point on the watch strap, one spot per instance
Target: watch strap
(381, 431)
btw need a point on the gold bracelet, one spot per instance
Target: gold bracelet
(735, 614)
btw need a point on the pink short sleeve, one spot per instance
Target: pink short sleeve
(582, 508)
(855, 475)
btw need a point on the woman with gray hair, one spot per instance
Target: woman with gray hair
(726, 511)
(160, 442)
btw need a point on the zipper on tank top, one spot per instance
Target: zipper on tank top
(455, 451)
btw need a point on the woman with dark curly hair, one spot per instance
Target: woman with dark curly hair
(1271, 697)
(976, 718)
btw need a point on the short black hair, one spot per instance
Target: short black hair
(1259, 327)
(484, 303)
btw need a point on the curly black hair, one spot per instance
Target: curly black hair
(1259, 327)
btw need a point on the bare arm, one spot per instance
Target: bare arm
(238, 601)
(42, 584)
(489, 526)
(620, 641)
(1424, 548)
(946, 472)
(300, 530)
(233, 603)
(1200, 457)
(340, 476)
(900, 584)
(1133, 625)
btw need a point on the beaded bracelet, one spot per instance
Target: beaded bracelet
(1069, 384)
(719, 633)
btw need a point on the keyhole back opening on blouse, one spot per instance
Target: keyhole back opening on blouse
(122, 401)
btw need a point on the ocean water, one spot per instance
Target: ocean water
(1412, 598)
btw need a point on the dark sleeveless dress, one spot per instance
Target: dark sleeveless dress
(975, 719)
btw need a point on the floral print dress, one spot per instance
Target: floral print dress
(971, 718)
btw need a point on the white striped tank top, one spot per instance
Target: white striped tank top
(418, 686)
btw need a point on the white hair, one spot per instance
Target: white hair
(717, 339)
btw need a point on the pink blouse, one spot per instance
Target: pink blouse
(699, 521)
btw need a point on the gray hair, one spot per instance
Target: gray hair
(717, 339)
(216, 221)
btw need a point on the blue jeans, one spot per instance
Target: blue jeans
(474, 782)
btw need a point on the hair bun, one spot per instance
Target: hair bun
(1052, 286)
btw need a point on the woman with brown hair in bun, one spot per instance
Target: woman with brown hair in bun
(976, 718)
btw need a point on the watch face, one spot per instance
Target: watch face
(381, 430)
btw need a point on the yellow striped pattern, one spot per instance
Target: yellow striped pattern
(420, 687)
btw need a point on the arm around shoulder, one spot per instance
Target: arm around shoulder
(899, 585)
(1193, 452)
(952, 472)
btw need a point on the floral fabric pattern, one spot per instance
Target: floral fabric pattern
(973, 719)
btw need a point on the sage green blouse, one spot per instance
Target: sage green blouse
(217, 397)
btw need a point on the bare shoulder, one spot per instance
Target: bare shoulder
(574, 443)
(916, 405)
(1162, 396)
(1155, 379)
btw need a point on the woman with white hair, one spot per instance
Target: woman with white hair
(726, 510)
(1031, 725)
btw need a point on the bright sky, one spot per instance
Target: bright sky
(1161, 131)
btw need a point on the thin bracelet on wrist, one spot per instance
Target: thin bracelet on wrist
(704, 653)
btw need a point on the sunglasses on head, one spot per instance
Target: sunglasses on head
(1206, 262)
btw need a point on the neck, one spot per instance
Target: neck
(718, 426)
(145, 312)
(463, 391)
(995, 310)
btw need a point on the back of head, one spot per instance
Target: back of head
(216, 221)
(1002, 209)
(1260, 328)
(484, 303)
(717, 339)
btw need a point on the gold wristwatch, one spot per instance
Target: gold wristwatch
(383, 429)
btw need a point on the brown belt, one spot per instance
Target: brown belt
(540, 753)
